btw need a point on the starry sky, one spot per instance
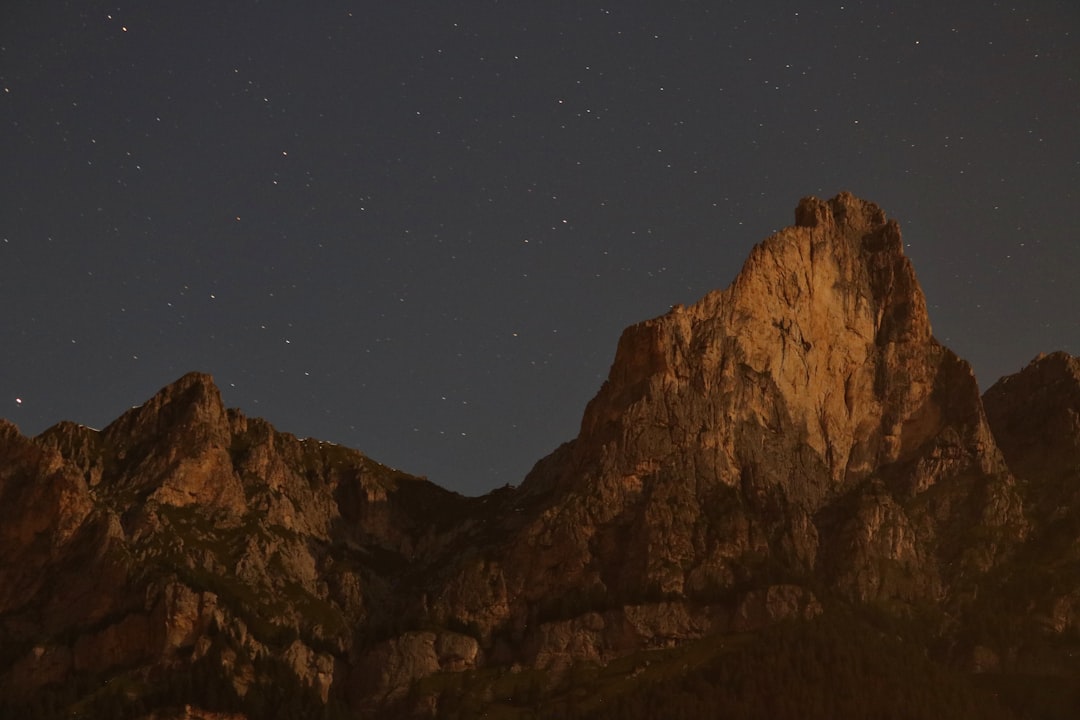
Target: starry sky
(417, 228)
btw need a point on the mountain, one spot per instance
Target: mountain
(787, 499)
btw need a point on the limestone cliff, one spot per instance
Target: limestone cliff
(801, 426)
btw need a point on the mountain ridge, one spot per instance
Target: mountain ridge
(790, 447)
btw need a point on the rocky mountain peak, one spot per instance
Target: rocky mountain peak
(1053, 377)
(791, 445)
(824, 331)
(843, 210)
(191, 405)
(1035, 415)
(8, 429)
(794, 420)
(859, 229)
(176, 445)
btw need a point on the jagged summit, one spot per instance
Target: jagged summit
(1035, 414)
(191, 401)
(794, 444)
(813, 332)
(727, 430)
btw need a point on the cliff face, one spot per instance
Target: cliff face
(182, 524)
(800, 427)
(1035, 415)
(796, 442)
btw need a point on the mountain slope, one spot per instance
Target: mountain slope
(801, 428)
(183, 530)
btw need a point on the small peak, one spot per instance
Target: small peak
(194, 388)
(1053, 375)
(1042, 369)
(1058, 364)
(1058, 358)
(812, 212)
(64, 433)
(844, 209)
(9, 429)
(193, 400)
(193, 379)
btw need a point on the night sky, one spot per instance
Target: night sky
(418, 228)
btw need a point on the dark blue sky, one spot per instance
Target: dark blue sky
(418, 228)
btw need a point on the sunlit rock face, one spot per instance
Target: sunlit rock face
(795, 442)
(802, 423)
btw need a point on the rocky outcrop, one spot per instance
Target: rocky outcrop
(1035, 416)
(389, 669)
(185, 531)
(803, 422)
(600, 637)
